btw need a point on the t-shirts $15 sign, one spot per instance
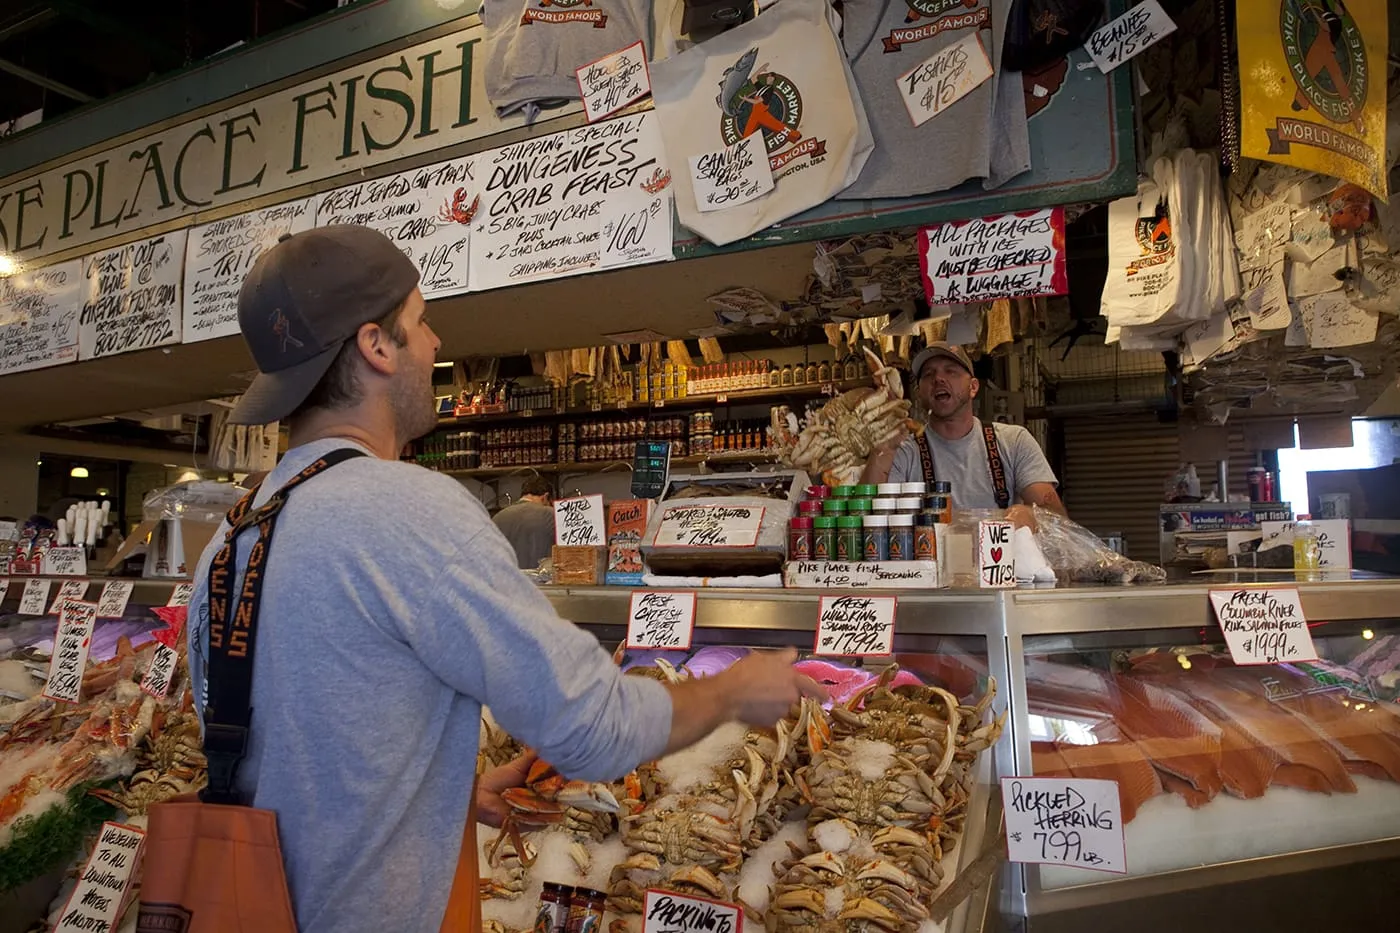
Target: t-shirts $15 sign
(856, 625)
(1263, 626)
(668, 912)
(660, 619)
(949, 75)
(578, 522)
(1064, 821)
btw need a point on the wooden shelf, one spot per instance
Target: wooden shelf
(719, 458)
(689, 403)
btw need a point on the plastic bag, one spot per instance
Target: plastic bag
(1078, 555)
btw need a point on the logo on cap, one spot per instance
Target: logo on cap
(283, 329)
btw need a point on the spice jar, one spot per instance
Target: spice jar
(883, 506)
(913, 489)
(824, 537)
(858, 506)
(877, 537)
(942, 488)
(552, 915)
(800, 538)
(890, 490)
(835, 507)
(843, 492)
(818, 492)
(850, 537)
(939, 504)
(902, 536)
(910, 505)
(810, 507)
(926, 535)
(586, 907)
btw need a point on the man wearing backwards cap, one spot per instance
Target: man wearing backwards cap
(986, 470)
(394, 611)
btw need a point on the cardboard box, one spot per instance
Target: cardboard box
(579, 566)
(1189, 529)
(173, 546)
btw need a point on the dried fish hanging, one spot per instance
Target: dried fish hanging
(710, 350)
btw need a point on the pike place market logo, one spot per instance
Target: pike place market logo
(1154, 237)
(754, 99)
(1326, 57)
(932, 9)
(960, 14)
(558, 11)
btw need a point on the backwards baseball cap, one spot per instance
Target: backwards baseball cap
(302, 300)
(947, 350)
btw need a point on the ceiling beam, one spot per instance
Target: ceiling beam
(32, 21)
(33, 77)
(113, 25)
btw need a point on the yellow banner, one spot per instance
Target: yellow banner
(1312, 86)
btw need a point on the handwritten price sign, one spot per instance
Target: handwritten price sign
(65, 562)
(97, 901)
(71, 589)
(666, 912)
(578, 522)
(1263, 626)
(709, 526)
(1064, 821)
(161, 673)
(1129, 34)
(951, 74)
(180, 595)
(659, 619)
(35, 598)
(856, 625)
(614, 81)
(115, 595)
(731, 176)
(72, 639)
(636, 227)
(4, 587)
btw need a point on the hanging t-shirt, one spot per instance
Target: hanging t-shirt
(533, 47)
(982, 135)
(783, 75)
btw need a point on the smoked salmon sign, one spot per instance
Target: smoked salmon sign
(1263, 626)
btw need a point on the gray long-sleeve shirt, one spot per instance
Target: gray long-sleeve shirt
(393, 610)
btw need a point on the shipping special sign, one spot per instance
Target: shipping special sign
(1019, 255)
(417, 99)
(1313, 88)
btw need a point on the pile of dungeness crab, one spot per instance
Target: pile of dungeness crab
(834, 821)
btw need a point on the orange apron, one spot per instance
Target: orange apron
(463, 913)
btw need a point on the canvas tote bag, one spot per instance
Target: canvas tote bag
(784, 75)
(215, 865)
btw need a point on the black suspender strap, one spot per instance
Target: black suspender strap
(994, 464)
(1003, 495)
(233, 631)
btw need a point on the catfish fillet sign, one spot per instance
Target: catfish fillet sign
(418, 99)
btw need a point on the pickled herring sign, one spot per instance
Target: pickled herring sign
(1263, 626)
(133, 297)
(427, 212)
(39, 317)
(1064, 821)
(219, 255)
(544, 201)
(1005, 256)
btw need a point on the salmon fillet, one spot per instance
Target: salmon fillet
(1268, 726)
(1170, 732)
(1115, 761)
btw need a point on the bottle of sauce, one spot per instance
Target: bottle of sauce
(586, 908)
(553, 913)
(926, 535)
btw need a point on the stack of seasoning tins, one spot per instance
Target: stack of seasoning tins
(569, 910)
(889, 521)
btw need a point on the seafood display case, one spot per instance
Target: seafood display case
(1227, 774)
(868, 814)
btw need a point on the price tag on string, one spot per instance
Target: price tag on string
(660, 619)
(578, 522)
(1064, 821)
(70, 589)
(100, 895)
(1263, 626)
(161, 672)
(180, 596)
(1142, 26)
(856, 625)
(115, 595)
(71, 642)
(35, 598)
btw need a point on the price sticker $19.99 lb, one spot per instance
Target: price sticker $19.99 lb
(855, 625)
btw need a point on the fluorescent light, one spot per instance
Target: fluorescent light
(446, 365)
(78, 472)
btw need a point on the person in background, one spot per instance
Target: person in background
(529, 524)
(392, 611)
(957, 447)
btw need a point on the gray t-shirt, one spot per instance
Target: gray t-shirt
(529, 527)
(963, 463)
(392, 611)
(982, 135)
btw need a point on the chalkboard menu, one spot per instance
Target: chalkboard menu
(132, 297)
(39, 317)
(545, 202)
(218, 256)
(427, 212)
